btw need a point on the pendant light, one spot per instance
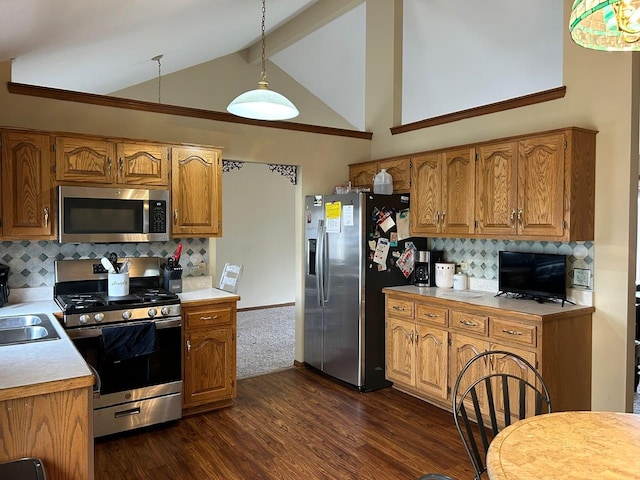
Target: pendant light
(612, 25)
(157, 59)
(262, 103)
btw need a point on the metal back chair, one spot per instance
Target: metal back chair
(508, 389)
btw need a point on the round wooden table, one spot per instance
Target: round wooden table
(568, 445)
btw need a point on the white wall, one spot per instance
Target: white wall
(258, 225)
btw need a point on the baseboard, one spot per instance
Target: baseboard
(279, 305)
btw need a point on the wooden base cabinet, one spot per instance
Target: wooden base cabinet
(430, 339)
(209, 349)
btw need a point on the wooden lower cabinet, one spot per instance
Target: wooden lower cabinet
(429, 340)
(55, 427)
(209, 364)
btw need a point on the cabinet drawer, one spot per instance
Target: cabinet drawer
(513, 332)
(399, 308)
(207, 316)
(432, 315)
(469, 322)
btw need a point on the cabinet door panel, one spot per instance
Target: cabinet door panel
(85, 160)
(541, 186)
(463, 349)
(431, 361)
(504, 364)
(362, 175)
(425, 194)
(143, 164)
(209, 367)
(400, 172)
(27, 188)
(400, 351)
(458, 184)
(496, 192)
(195, 191)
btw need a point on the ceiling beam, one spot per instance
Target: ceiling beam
(316, 16)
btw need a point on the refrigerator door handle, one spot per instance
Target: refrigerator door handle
(326, 278)
(320, 263)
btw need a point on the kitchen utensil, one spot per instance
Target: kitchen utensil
(124, 267)
(113, 258)
(107, 265)
(176, 255)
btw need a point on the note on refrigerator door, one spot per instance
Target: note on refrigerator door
(382, 251)
(332, 213)
(347, 215)
(402, 219)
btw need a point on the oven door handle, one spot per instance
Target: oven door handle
(96, 331)
(98, 385)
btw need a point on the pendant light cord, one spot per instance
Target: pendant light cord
(264, 70)
(157, 59)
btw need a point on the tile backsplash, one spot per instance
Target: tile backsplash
(481, 255)
(32, 263)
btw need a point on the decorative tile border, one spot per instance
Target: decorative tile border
(32, 263)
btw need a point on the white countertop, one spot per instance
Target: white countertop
(29, 364)
(206, 294)
(489, 299)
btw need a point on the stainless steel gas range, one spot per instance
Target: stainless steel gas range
(132, 342)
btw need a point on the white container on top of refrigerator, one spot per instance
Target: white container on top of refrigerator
(344, 308)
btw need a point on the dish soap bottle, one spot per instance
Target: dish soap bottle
(383, 183)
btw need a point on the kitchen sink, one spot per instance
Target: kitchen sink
(26, 329)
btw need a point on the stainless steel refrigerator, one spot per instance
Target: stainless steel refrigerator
(356, 244)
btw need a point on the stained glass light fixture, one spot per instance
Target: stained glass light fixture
(612, 25)
(262, 103)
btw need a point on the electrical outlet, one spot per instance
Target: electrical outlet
(463, 266)
(201, 267)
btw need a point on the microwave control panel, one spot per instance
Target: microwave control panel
(157, 216)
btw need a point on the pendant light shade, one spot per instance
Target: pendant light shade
(612, 25)
(262, 103)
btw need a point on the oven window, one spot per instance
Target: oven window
(103, 215)
(163, 366)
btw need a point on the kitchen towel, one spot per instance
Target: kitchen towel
(128, 341)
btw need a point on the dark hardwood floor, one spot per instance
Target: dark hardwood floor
(294, 424)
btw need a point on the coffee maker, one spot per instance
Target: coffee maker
(425, 267)
(4, 284)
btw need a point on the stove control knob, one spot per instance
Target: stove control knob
(84, 318)
(152, 312)
(98, 317)
(165, 311)
(126, 314)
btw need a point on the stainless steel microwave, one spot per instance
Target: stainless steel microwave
(106, 215)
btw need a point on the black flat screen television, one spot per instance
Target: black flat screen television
(533, 275)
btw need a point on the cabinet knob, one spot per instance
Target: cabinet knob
(512, 217)
(512, 332)
(46, 216)
(175, 216)
(121, 165)
(188, 347)
(109, 165)
(520, 216)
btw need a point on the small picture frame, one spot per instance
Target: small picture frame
(581, 277)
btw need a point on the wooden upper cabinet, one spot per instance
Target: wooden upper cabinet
(458, 184)
(400, 171)
(426, 194)
(541, 186)
(143, 164)
(103, 161)
(538, 187)
(196, 193)
(85, 160)
(28, 197)
(496, 189)
(442, 186)
(362, 174)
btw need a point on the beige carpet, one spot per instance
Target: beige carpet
(265, 341)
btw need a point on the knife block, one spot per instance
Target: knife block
(172, 278)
